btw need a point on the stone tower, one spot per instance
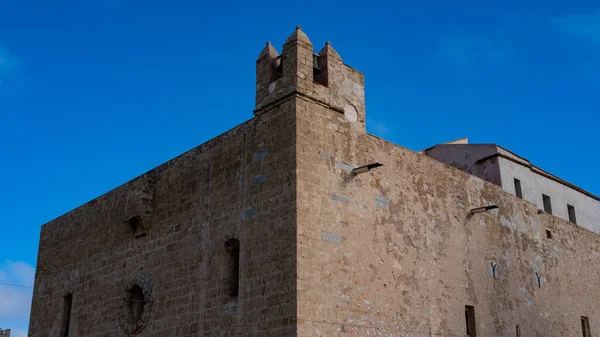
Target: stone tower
(298, 223)
(320, 78)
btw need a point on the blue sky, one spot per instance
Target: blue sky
(94, 93)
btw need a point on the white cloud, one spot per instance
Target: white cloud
(378, 129)
(585, 25)
(466, 50)
(15, 303)
(22, 272)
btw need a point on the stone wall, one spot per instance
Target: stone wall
(239, 185)
(396, 252)
(467, 158)
(322, 252)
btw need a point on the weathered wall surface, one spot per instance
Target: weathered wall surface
(392, 252)
(466, 156)
(238, 185)
(533, 185)
(395, 252)
(502, 172)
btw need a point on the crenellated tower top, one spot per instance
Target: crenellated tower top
(322, 77)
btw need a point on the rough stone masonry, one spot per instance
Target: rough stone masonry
(266, 231)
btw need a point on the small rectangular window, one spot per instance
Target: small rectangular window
(470, 320)
(66, 317)
(547, 204)
(585, 327)
(548, 234)
(518, 191)
(572, 216)
(233, 250)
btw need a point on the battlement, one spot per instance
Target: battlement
(322, 77)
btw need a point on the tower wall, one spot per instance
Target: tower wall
(240, 185)
(396, 252)
(335, 86)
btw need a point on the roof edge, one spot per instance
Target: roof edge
(539, 171)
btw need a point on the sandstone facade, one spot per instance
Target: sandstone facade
(321, 251)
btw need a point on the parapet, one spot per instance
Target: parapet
(321, 76)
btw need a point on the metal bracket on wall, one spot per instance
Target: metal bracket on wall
(493, 265)
(483, 209)
(366, 168)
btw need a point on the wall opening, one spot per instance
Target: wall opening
(572, 216)
(518, 191)
(319, 69)
(136, 303)
(278, 71)
(66, 316)
(137, 226)
(585, 327)
(233, 252)
(548, 234)
(134, 224)
(518, 330)
(547, 203)
(135, 308)
(470, 320)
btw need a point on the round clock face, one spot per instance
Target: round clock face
(350, 113)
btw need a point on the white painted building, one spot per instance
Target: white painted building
(518, 176)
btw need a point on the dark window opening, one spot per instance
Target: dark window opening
(320, 69)
(279, 64)
(548, 234)
(277, 70)
(518, 331)
(547, 204)
(137, 226)
(470, 320)
(518, 191)
(66, 317)
(233, 250)
(136, 303)
(316, 69)
(572, 216)
(585, 327)
(134, 223)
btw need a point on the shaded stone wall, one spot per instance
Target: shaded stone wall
(467, 158)
(239, 185)
(395, 252)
